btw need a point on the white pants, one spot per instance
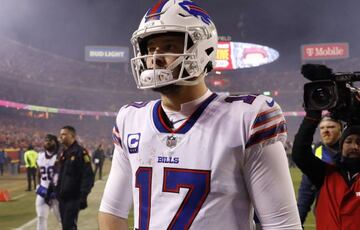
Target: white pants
(42, 211)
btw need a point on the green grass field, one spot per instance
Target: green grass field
(296, 178)
(19, 213)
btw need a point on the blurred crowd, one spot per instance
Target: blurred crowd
(80, 85)
(35, 77)
(18, 131)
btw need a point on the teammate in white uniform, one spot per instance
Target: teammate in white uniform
(194, 159)
(45, 199)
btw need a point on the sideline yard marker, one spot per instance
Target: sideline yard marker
(4, 195)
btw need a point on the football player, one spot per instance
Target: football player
(194, 159)
(47, 171)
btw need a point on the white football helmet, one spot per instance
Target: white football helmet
(200, 44)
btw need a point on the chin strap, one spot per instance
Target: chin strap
(192, 81)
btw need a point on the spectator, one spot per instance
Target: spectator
(98, 160)
(326, 150)
(14, 164)
(76, 178)
(30, 158)
(338, 184)
(3, 160)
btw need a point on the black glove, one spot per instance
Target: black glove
(50, 194)
(47, 200)
(83, 203)
(313, 114)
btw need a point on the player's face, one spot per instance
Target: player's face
(49, 144)
(67, 138)
(164, 44)
(330, 132)
(351, 146)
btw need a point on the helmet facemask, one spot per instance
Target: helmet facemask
(183, 68)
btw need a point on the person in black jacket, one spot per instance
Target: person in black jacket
(98, 160)
(323, 174)
(330, 132)
(76, 178)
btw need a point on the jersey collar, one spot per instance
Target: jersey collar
(161, 121)
(48, 155)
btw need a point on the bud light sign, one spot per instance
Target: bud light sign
(106, 54)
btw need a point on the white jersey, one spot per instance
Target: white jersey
(46, 166)
(209, 173)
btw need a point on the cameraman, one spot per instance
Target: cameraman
(338, 205)
(326, 150)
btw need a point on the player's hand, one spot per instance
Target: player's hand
(83, 203)
(47, 200)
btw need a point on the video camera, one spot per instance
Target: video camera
(334, 92)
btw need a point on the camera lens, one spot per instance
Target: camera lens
(321, 96)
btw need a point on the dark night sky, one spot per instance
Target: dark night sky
(65, 27)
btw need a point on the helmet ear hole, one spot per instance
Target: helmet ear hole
(209, 51)
(190, 43)
(208, 67)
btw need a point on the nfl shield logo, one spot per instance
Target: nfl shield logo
(171, 141)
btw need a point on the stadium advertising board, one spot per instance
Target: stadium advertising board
(16, 105)
(325, 51)
(223, 56)
(235, 55)
(106, 54)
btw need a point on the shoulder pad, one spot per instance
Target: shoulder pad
(268, 123)
(137, 104)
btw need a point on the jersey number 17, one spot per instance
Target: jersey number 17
(196, 181)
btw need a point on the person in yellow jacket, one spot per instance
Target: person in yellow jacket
(30, 158)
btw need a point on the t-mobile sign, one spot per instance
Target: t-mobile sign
(325, 51)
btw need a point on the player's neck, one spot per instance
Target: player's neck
(185, 94)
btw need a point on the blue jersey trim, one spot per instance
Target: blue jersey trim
(267, 133)
(189, 123)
